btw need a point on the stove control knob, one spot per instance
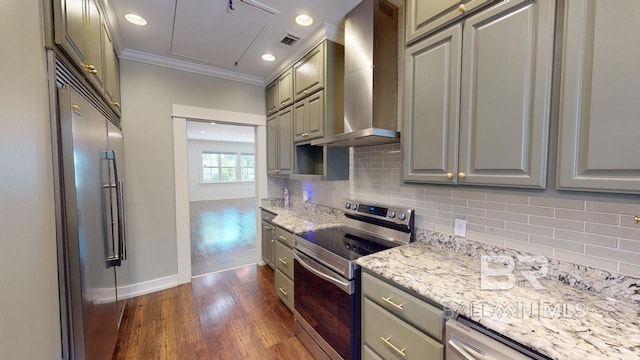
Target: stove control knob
(347, 206)
(392, 214)
(402, 216)
(354, 207)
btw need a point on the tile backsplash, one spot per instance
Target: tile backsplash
(598, 233)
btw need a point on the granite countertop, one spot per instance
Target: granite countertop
(559, 321)
(300, 219)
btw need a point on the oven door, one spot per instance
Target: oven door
(329, 305)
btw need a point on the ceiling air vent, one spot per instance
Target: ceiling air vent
(289, 40)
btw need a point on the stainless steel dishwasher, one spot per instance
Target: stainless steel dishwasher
(466, 340)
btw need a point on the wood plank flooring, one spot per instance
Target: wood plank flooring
(232, 314)
(223, 234)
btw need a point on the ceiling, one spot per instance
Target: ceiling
(200, 130)
(207, 33)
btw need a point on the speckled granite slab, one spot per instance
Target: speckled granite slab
(559, 321)
(301, 216)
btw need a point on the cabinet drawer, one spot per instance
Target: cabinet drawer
(368, 354)
(409, 308)
(393, 338)
(267, 216)
(284, 289)
(285, 236)
(284, 259)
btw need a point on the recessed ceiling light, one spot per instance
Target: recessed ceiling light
(212, 123)
(202, 132)
(268, 57)
(135, 19)
(243, 135)
(304, 20)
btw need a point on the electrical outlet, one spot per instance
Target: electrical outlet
(460, 228)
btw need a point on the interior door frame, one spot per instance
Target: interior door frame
(180, 115)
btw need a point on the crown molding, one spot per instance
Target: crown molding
(177, 64)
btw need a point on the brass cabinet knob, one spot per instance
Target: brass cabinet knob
(449, 176)
(91, 67)
(636, 219)
(462, 8)
(276, 171)
(75, 107)
(116, 104)
(462, 175)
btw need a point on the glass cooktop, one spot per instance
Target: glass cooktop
(344, 241)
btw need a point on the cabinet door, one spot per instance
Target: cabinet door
(272, 144)
(315, 115)
(431, 108)
(271, 98)
(425, 16)
(300, 120)
(599, 132)
(268, 243)
(506, 95)
(69, 19)
(308, 73)
(95, 49)
(285, 141)
(285, 89)
(111, 72)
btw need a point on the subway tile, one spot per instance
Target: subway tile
(486, 239)
(533, 210)
(467, 211)
(629, 269)
(445, 229)
(587, 260)
(618, 231)
(530, 229)
(449, 216)
(496, 206)
(530, 248)
(437, 191)
(593, 239)
(508, 234)
(628, 220)
(468, 194)
(414, 190)
(557, 243)
(443, 207)
(555, 202)
(508, 216)
(587, 216)
(486, 221)
(615, 208)
(629, 245)
(556, 223)
(618, 255)
(508, 198)
(425, 198)
(451, 201)
(480, 229)
(395, 189)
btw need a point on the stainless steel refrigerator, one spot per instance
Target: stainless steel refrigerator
(95, 242)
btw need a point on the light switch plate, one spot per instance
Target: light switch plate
(460, 228)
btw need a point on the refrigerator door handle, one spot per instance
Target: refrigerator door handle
(116, 259)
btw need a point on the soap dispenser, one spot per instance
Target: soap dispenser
(286, 197)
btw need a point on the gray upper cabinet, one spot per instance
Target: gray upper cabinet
(271, 98)
(285, 89)
(432, 103)
(111, 72)
(309, 73)
(497, 133)
(280, 143)
(308, 117)
(599, 132)
(425, 16)
(506, 95)
(69, 20)
(94, 65)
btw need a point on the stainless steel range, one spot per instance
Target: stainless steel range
(327, 278)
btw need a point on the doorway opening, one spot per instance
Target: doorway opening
(222, 198)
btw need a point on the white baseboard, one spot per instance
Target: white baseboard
(148, 287)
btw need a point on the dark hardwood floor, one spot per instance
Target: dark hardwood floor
(233, 314)
(223, 234)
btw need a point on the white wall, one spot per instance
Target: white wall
(199, 191)
(148, 93)
(29, 320)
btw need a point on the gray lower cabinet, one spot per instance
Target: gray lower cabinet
(398, 325)
(268, 239)
(280, 143)
(497, 135)
(283, 276)
(599, 107)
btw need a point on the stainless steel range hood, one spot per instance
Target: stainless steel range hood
(371, 77)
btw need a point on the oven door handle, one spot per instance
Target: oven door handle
(323, 272)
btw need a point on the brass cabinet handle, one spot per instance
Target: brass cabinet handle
(283, 261)
(276, 171)
(388, 301)
(283, 291)
(75, 107)
(462, 175)
(282, 238)
(116, 104)
(462, 8)
(449, 176)
(395, 348)
(636, 219)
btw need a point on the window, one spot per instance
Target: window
(227, 167)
